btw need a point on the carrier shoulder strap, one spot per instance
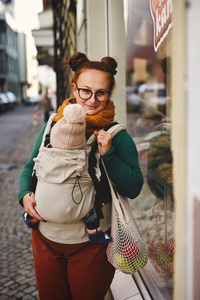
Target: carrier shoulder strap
(116, 128)
(46, 135)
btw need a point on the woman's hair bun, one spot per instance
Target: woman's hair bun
(76, 60)
(111, 63)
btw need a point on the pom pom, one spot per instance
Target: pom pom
(74, 113)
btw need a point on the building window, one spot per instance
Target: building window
(2, 33)
(13, 87)
(149, 106)
(3, 62)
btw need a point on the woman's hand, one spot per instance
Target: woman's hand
(104, 140)
(29, 203)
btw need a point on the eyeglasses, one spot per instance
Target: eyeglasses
(86, 94)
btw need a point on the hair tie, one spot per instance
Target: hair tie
(114, 72)
(73, 66)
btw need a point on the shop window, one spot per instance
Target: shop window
(149, 107)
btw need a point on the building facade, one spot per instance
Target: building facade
(13, 67)
(8, 55)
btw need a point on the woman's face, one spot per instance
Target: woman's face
(93, 80)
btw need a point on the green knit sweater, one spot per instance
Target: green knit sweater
(121, 162)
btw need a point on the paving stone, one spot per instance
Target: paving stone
(28, 267)
(22, 287)
(8, 283)
(2, 280)
(24, 272)
(19, 278)
(29, 290)
(27, 280)
(11, 293)
(35, 294)
(19, 295)
(32, 282)
(28, 297)
(15, 286)
(4, 291)
(3, 297)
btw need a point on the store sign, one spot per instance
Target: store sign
(161, 12)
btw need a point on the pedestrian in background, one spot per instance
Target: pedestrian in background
(67, 264)
(46, 106)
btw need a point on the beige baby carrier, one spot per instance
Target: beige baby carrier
(65, 191)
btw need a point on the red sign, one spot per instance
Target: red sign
(161, 12)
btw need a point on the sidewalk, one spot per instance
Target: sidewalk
(17, 137)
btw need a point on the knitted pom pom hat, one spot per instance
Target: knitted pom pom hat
(69, 132)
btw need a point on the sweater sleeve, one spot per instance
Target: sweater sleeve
(122, 165)
(26, 174)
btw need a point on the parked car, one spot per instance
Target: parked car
(11, 99)
(147, 98)
(31, 100)
(159, 88)
(153, 97)
(3, 102)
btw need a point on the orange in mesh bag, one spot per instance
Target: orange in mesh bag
(127, 251)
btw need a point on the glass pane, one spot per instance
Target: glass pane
(148, 90)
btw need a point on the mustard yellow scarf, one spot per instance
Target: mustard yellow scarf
(96, 122)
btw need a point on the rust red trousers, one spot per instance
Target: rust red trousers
(74, 272)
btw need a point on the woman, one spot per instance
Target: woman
(79, 269)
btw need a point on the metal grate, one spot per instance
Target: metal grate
(64, 14)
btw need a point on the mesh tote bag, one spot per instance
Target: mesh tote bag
(127, 251)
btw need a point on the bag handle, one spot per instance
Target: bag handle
(117, 201)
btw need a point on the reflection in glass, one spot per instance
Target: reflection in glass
(149, 107)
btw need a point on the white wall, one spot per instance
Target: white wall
(81, 26)
(193, 146)
(186, 147)
(95, 29)
(179, 120)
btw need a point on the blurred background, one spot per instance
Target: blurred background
(26, 61)
(157, 47)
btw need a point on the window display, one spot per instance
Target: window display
(149, 108)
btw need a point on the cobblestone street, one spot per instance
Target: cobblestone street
(17, 137)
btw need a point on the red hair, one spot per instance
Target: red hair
(79, 62)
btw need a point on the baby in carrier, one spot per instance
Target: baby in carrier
(69, 134)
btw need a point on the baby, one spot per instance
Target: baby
(62, 137)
